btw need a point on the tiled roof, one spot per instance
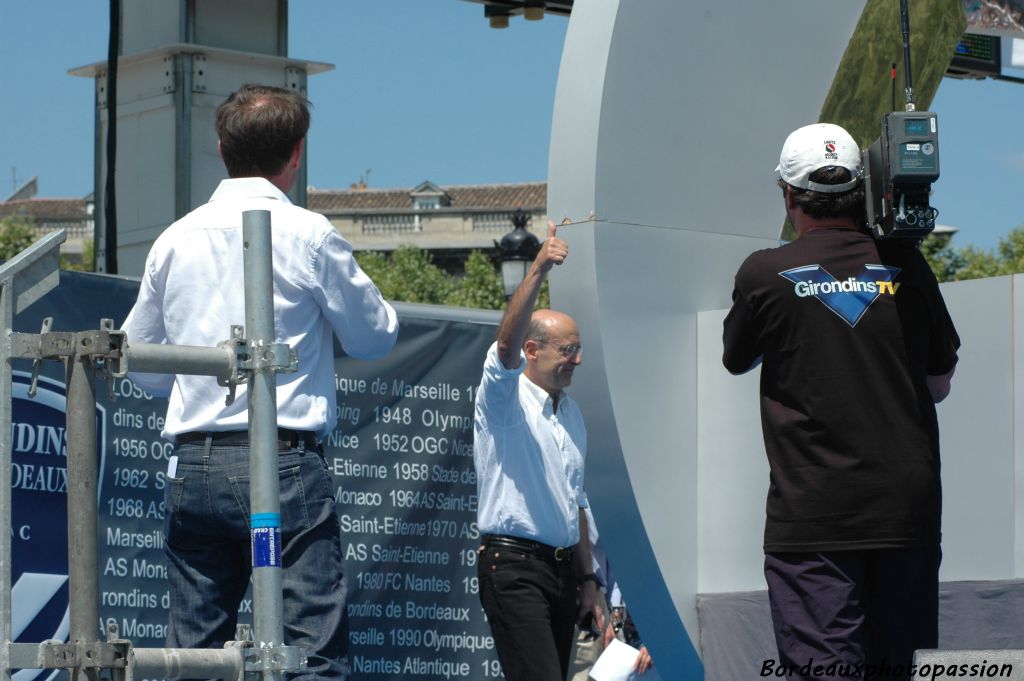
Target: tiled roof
(47, 210)
(525, 195)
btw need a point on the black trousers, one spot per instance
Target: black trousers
(530, 604)
(853, 614)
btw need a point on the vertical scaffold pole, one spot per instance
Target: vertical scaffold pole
(265, 505)
(83, 516)
(6, 445)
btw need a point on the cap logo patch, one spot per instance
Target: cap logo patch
(830, 150)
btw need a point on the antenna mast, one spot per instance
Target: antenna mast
(905, 25)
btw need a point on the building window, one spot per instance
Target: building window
(391, 224)
(494, 222)
(428, 196)
(427, 202)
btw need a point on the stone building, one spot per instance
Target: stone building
(74, 215)
(449, 221)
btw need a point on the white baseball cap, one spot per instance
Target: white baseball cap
(817, 146)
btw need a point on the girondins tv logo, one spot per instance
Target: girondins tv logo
(39, 574)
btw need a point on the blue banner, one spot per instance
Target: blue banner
(401, 457)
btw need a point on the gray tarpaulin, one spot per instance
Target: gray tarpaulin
(736, 631)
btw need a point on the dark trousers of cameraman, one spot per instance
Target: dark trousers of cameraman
(854, 614)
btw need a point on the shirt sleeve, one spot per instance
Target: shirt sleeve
(944, 341)
(145, 325)
(497, 399)
(928, 330)
(741, 351)
(364, 322)
(582, 500)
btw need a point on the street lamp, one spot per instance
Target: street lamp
(516, 251)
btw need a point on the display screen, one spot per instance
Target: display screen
(915, 126)
(995, 17)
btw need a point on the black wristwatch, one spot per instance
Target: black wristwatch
(590, 577)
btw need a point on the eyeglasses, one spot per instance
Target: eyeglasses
(567, 351)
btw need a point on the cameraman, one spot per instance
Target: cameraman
(855, 345)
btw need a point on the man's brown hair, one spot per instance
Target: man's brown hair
(258, 127)
(824, 205)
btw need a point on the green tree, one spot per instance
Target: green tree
(87, 262)
(944, 260)
(969, 262)
(544, 297)
(480, 287)
(977, 264)
(1010, 251)
(16, 234)
(409, 275)
(375, 264)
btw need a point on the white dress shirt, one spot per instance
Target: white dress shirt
(192, 291)
(529, 460)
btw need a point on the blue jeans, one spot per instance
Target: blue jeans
(207, 543)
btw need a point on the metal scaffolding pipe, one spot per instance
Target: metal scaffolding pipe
(184, 663)
(265, 503)
(181, 359)
(6, 445)
(83, 516)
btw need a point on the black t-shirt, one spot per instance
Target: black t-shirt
(848, 329)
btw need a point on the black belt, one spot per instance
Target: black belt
(558, 554)
(286, 438)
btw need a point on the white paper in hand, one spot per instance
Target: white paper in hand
(616, 663)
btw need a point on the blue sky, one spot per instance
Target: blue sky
(424, 89)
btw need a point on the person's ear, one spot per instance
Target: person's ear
(296, 158)
(790, 202)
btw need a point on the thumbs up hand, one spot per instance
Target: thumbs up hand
(553, 251)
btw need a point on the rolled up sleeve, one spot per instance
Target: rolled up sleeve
(364, 322)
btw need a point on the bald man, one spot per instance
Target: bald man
(529, 443)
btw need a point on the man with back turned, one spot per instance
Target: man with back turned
(191, 294)
(855, 347)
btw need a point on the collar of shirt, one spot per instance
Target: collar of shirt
(540, 396)
(251, 187)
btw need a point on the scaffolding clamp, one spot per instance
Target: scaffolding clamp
(238, 375)
(84, 655)
(103, 346)
(278, 358)
(111, 365)
(265, 657)
(274, 658)
(37, 363)
(252, 357)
